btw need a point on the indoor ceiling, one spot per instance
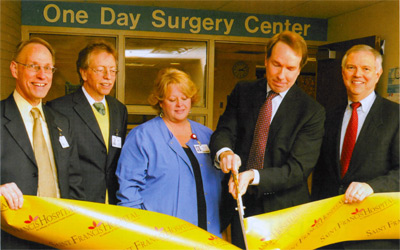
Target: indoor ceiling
(300, 8)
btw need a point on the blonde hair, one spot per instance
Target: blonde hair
(167, 77)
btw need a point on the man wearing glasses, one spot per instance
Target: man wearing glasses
(38, 153)
(98, 121)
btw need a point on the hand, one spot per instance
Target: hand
(229, 161)
(357, 192)
(245, 178)
(12, 194)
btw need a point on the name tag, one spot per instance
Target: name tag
(116, 141)
(63, 142)
(202, 149)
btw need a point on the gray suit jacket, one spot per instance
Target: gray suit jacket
(98, 167)
(18, 162)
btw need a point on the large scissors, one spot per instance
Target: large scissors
(240, 208)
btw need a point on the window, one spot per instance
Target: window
(144, 58)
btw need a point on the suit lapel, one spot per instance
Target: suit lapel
(52, 125)
(84, 110)
(281, 114)
(16, 128)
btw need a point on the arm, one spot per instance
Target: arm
(225, 136)
(131, 172)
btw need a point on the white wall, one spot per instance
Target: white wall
(381, 19)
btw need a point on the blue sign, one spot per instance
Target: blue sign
(172, 20)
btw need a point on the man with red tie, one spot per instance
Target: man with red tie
(274, 131)
(360, 150)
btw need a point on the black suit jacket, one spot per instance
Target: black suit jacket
(18, 162)
(293, 145)
(98, 167)
(375, 158)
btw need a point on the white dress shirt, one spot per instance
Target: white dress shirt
(362, 113)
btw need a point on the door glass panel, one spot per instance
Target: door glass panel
(67, 47)
(144, 58)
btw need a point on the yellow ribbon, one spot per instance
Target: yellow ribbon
(324, 222)
(71, 224)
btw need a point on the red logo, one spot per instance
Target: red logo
(212, 237)
(31, 219)
(95, 225)
(358, 211)
(316, 222)
(159, 229)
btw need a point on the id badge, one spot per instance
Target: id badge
(63, 142)
(202, 149)
(116, 141)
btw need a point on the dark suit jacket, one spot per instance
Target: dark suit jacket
(98, 167)
(18, 162)
(293, 145)
(375, 158)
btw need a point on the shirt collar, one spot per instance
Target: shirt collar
(25, 107)
(281, 94)
(366, 103)
(90, 99)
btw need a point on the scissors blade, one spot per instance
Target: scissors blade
(240, 209)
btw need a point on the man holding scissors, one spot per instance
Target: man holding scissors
(274, 130)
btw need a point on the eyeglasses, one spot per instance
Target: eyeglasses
(36, 68)
(103, 71)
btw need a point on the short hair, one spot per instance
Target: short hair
(293, 40)
(166, 77)
(94, 46)
(367, 48)
(36, 40)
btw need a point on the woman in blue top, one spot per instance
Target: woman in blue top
(165, 164)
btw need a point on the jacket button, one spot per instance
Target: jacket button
(341, 189)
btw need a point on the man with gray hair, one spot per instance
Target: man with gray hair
(360, 150)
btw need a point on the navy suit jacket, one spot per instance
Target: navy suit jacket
(375, 159)
(98, 167)
(18, 162)
(293, 145)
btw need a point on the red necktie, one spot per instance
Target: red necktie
(257, 150)
(349, 139)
